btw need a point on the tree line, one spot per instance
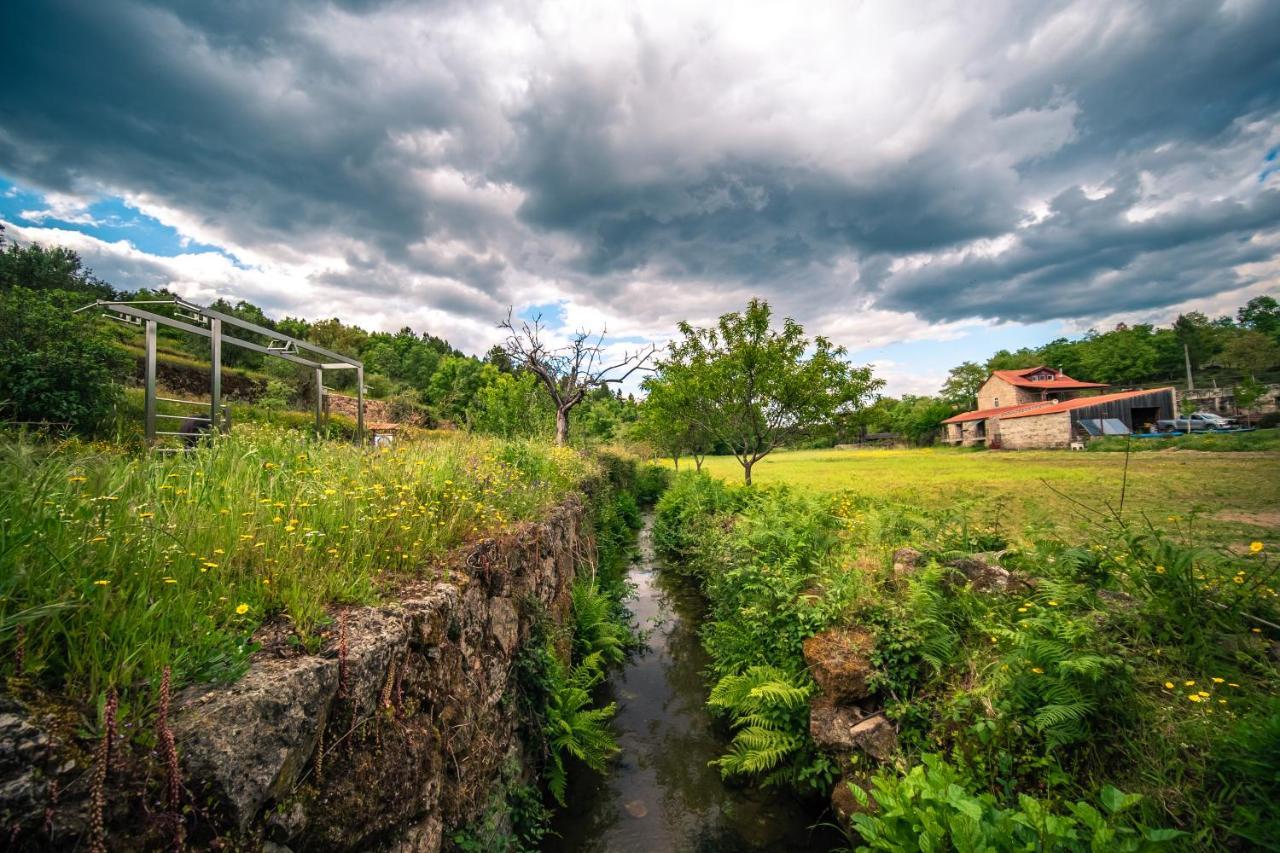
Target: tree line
(61, 367)
(741, 386)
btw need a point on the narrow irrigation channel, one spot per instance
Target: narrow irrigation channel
(661, 794)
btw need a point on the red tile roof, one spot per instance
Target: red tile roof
(1048, 407)
(1019, 378)
(980, 414)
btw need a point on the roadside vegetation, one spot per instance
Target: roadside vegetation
(1123, 697)
(1261, 440)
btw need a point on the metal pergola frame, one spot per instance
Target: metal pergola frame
(280, 346)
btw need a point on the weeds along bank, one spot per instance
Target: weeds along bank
(950, 690)
(281, 640)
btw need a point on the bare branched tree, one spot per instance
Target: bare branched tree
(569, 372)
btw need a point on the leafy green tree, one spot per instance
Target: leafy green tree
(963, 382)
(1248, 393)
(754, 388)
(1261, 314)
(55, 268)
(1251, 352)
(55, 366)
(605, 416)
(512, 406)
(919, 418)
(1123, 355)
(666, 420)
(1005, 360)
(455, 384)
(1202, 339)
(1062, 354)
(404, 357)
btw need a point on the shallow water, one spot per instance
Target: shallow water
(660, 794)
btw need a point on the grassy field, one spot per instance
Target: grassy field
(1228, 498)
(114, 565)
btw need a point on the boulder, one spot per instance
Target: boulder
(982, 572)
(840, 662)
(844, 729)
(906, 562)
(830, 725)
(875, 736)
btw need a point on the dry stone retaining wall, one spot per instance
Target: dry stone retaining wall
(399, 731)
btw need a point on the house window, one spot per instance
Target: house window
(995, 402)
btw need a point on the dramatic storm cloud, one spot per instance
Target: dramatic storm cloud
(880, 171)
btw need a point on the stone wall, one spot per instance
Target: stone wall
(375, 411)
(996, 393)
(1036, 431)
(405, 726)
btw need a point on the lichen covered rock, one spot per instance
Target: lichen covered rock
(840, 662)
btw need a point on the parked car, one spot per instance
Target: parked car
(1198, 421)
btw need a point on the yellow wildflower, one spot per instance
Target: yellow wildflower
(1194, 697)
(1037, 670)
(1168, 685)
(1188, 684)
(242, 609)
(101, 583)
(1255, 547)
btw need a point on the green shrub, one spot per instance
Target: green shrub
(55, 366)
(930, 809)
(651, 482)
(685, 510)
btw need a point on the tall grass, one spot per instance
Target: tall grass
(114, 566)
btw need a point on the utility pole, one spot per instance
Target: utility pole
(1186, 353)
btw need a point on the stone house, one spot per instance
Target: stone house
(1041, 407)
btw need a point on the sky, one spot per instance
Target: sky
(924, 182)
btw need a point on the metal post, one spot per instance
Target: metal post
(215, 375)
(149, 407)
(359, 405)
(319, 401)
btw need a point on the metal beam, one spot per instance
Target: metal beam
(216, 338)
(319, 400)
(271, 333)
(149, 407)
(205, 333)
(360, 405)
(215, 375)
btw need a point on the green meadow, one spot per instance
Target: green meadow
(1223, 498)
